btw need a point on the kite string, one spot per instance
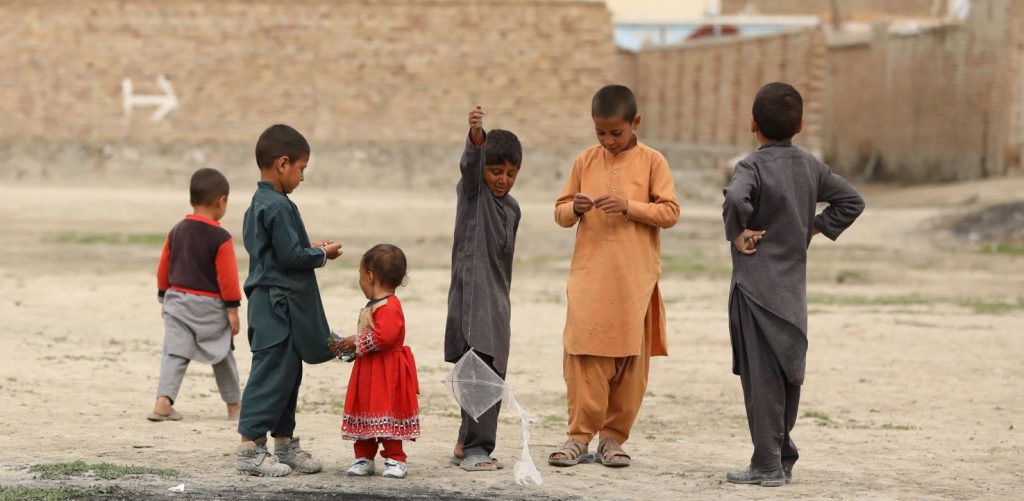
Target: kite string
(525, 468)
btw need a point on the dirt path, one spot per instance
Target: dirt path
(915, 385)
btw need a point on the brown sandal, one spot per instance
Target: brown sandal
(572, 450)
(608, 450)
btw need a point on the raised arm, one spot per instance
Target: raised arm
(663, 209)
(844, 204)
(291, 252)
(388, 323)
(739, 205)
(472, 163)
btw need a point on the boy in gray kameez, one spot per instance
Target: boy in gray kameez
(479, 311)
(287, 325)
(769, 215)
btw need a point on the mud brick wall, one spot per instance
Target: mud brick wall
(700, 93)
(940, 105)
(394, 77)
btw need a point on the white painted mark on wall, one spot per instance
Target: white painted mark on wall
(164, 103)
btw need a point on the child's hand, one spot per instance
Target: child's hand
(747, 241)
(476, 125)
(582, 203)
(333, 250)
(348, 345)
(611, 204)
(233, 320)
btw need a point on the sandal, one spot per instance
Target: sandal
(479, 462)
(608, 450)
(457, 461)
(173, 416)
(572, 449)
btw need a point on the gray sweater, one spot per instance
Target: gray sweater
(776, 189)
(479, 311)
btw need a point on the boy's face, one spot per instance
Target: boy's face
(366, 282)
(615, 133)
(500, 178)
(291, 173)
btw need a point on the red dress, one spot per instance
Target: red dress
(381, 399)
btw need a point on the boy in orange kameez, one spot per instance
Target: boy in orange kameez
(621, 193)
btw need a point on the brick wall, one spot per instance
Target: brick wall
(862, 9)
(697, 96)
(388, 74)
(940, 105)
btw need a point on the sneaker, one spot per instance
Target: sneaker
(395, 469)
(764, 478)
(361, 467)
(254, 459)
(292, 454)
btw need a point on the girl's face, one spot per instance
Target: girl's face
(366, 280)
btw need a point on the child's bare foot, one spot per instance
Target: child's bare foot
(458, 451)
(234, 410)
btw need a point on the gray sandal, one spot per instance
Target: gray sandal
(173, 416)
(572, 449)
(478, 462)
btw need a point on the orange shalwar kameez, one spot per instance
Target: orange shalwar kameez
(615, 320)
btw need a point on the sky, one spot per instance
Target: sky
(649, 10)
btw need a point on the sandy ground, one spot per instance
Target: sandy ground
(915, 381)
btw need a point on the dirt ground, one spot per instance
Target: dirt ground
(914, 389)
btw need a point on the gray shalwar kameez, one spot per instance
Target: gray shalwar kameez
(479, 310)
(196, 328)
(776, 189)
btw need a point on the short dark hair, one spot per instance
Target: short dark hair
(387, 262)
(280, 141)
(778, 109)
(206, 186)
(614, 101)
(502, 147)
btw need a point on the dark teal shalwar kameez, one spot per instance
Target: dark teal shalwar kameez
(287, 325)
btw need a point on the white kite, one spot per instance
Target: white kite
(476, 388)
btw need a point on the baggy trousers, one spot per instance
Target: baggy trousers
(479, 437)
(272, 392)
(771, 400)
(604, 394)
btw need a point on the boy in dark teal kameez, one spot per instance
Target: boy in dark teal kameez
(287, 325)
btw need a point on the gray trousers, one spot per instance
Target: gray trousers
(172, 372)
(771, 400)
(479, 437)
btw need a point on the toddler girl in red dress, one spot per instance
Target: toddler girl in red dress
(381, 406)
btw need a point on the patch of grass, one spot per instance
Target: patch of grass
(1003, 248)
(146, 239)
(822, 418)
(106, 471)
(890, 426)
(851, 277)
(981, 307)
(992, 308)
(695, 264)
(553, 419)
(837, 300)
(59, 493)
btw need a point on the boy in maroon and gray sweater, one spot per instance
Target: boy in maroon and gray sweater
(197, 279)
